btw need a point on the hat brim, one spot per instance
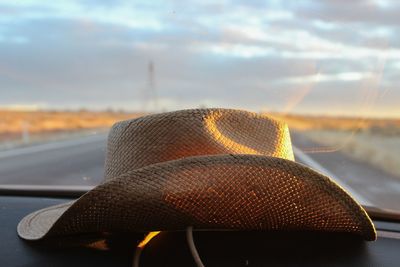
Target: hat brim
(240, 192)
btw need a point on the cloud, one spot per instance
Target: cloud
(367, 12)
(252, 54)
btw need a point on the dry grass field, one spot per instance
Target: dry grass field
(304, 123)
(374, 141)
(44, 124)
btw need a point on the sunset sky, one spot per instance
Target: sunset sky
(322, 57)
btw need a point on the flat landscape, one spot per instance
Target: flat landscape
(21, 127)
(68, 149)
(373, 141)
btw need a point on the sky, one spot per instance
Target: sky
(333, 57)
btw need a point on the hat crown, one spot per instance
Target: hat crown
(136, 143)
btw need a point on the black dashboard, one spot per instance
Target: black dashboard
(215, 248)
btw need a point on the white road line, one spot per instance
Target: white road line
(52, 146)
(314, 164)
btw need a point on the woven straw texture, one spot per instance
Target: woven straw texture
(206, 168)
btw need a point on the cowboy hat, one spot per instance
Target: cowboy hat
(217, 169)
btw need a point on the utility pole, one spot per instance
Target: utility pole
(25, 132)
(150, 95)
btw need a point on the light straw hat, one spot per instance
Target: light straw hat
(218, 169)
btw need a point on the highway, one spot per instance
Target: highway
(369, 185)
(80, 161)
(77, 161)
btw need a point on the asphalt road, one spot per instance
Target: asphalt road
(369, 185)
(80, 161)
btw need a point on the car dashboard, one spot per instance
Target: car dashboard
(227, 248)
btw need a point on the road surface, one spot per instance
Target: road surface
(80, 161)
(369, 185)
(77, 161)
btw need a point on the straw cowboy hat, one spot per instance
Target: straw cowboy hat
(218, 169)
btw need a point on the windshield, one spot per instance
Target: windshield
(70, 69)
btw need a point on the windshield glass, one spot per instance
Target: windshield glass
(70, 69)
